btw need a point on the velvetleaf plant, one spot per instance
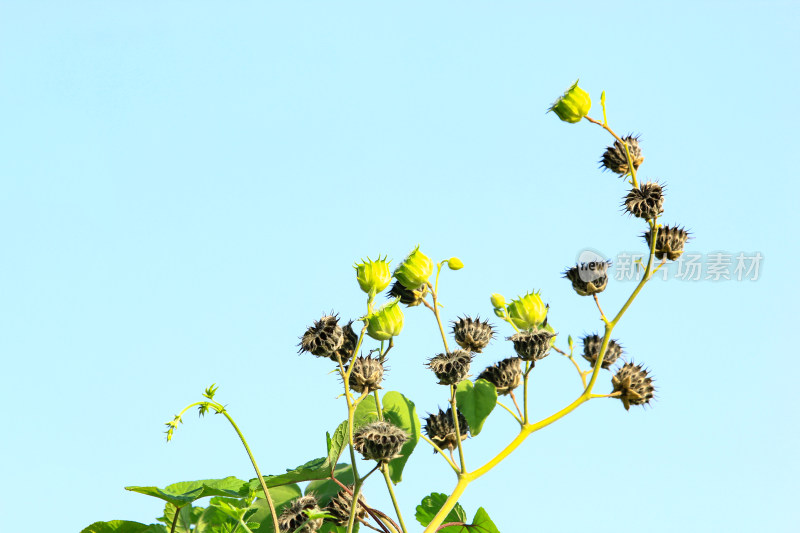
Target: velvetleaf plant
(382, 429)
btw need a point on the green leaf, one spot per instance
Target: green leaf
(480, 524)
(326, 489)
(124, 526)
(431, 504)
(185, 515)
(401, 412)
(366, 412)
(185, 492)
(476, 402)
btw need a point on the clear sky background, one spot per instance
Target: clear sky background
(186, 185)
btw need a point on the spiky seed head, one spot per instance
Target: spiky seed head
(532, 345)
(591, 350)
(527, 311)
(634, 385)
(472, 334)
(646, 201)
(379, 441)
(323, 338)
(414, 270)
(407, 296)
(294, 515)
(670, 241)
(588, 278)
(348, 347)
(441, 430)
(615, 159)
(451, 367)
(340, 505)
(385, 322)
(505, 375)
(373, 276)
(573, 105)
(367, 374)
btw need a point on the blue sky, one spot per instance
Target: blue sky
(185, 187)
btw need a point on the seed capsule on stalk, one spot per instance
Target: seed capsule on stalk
(385, 322)
(670, 241)
(295, 516)
(441, 430)
(323, 338)
(634, 385)
(527, 311)
(472, 334)
(505, 375)
(573, 105)
(373, 276)
(379, 441)
(616, 160)
(452, 367)
(414, 270)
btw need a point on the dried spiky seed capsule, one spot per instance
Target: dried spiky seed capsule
(669, 242)
(532, 345)
(505, 375)
(588, 278)
(323, 338)
(294, 516)
(441, 430)
(527, 311)
(591, 350)
(348, 347)
(633, 384)
(646, 201)
(573, 105)
(373, 276)
(472, 335)
(414, 270)
(367, 374)
(385, 322)
(616, 160)
(407, 296)
(451, 367)
(340, 506)
(379, 441)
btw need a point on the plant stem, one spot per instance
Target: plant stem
(435, 309)
(602, 314)
(175, 520)
(528, 369)
(451, 501)
(514, 399)
(631, 170)
(385, 470)
(518, 419)
(435, 447)
(454, 410)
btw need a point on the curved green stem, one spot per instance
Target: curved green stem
(385, 471)
(444, 456)
(455, 425)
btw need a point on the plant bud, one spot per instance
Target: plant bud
(323, 338)
(669, 242)
(451, 367)
(635, 386)
(591, 350)
(588, 278)
(441, 430)
(367, 374)
(472, 335)
(573, 105)
(294, 516)
(646, 201)
(414, 270)
(527, 311)
(373, 276)
(532, 345)
(385, 322)
(407, 296)
(454, 263)
(340, 505)
(379, 441)
(498, 301)
(505, 375)
(616, 160)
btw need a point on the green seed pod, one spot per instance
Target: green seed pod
(373, 276)
(472, 335)
(323, 338)
(414, 270)
(294, 516)
(646, 201)
(573, 105)
(379, 441)
(451, 367)
(634, 385)
(588, 278)
(669, 242)
(385, 322)
(591, 350)
(441, 430)
(527, 311)
(532, 345)
(367, 374)
(505, 375)
(498, 301)
(408, 297)
(340, 505)
(616, 160)
(454, 263)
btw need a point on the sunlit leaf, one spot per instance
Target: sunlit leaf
(476, 402)
(180, 494)
(401, 412)
(124, 526)
(432, 503)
